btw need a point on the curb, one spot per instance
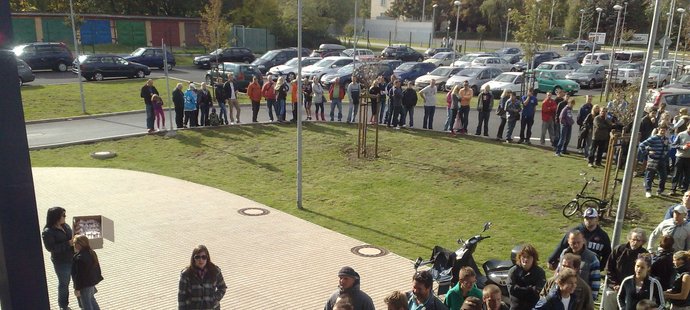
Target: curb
(80, 117)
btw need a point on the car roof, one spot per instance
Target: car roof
(337, 57)
(555, 62)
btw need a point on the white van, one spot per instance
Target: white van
(597, 59)
(674, 98)
(626, 57)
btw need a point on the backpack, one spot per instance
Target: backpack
(214, 120)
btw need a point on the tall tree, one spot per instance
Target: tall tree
(215, 28)
(529, 27)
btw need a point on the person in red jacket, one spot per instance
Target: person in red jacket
(254, 93)
(548, 116)
(269, 93)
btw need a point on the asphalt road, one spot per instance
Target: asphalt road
(182, 73)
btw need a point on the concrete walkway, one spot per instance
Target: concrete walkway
(273, 261)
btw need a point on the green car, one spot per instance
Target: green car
(243, 74)
(552, 81)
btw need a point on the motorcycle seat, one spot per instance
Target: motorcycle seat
(496, 265)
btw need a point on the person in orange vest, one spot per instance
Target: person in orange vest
(254, 93)
(293, 97)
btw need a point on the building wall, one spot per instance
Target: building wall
(378, 7)
(399, 31)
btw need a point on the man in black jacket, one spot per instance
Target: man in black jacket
(178, 101)
(598, 240)
(409, 101)
(146, 92)
(348, 286)
(220, 97)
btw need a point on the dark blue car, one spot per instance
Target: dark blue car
(151, 57)
(410, 71)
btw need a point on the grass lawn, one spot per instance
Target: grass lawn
(425, 189)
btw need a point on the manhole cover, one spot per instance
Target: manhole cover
(103, 155)
(368, 250)
(253, 211)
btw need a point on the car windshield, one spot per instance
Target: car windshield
(628, 66)
(587, 69)
(268, 55)
(658, 70)
(545, 66)
(684, 79)
(138, 52)
(507, 78)
(292, 62)
(469, 72)
(440, 55)
(346, 69)
(572, 54)
(217, 52)
(468, 58)
(441, 71)
(405, 67)
(324, 63)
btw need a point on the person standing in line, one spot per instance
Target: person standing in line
(563, 296)
(158, 111)
(220, 98)
(293, 99)
(526, 279)
(395, 94)
(201, 283)
(529, 106)
(448, 126)
(501, 112)
(254, 94)
(204, 99)
(57, 239)
(428, 95)
(269, 93)
(353, 90)
(190, 106)
(466, 94)
(374, 92)
(548, 113)
(513, 109)
(639, 286)
(306, 96)
(396, 301)
(679, 294)
(231, 97)
(409, 101)
(422, 295)
(485, 103)
(601, 129)
(584, 139)
(656, 147)
(336, 94)
(348, 285)
(561, 103)
(389, 110)
(86, 273)
(682, 176)
(281, 90)
(318, 98)
(566, 120)
(382, 99)
(147, 91)
(454, 109)
(178, 101)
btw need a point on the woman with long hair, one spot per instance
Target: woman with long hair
(57, 239)
(640, 285)
(281, 95)
(201, 283)
(525, 279)
(679, 294)
(501, 112)
(86, 273)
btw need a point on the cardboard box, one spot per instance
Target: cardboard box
(94, 227)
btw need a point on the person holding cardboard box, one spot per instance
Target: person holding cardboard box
(57, 239)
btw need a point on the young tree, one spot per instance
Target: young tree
(215, 29)
(529, 27)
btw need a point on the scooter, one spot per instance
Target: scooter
(445, 265)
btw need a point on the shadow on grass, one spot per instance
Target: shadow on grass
(326, 129)
(253, 161)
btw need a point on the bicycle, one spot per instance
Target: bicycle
(582, 202)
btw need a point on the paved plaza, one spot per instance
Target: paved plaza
(271, 261)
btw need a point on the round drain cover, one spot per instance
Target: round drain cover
(253, 211)
(368, 250)
(103, 155)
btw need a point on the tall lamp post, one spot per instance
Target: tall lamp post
(457, 21)
(680, 28)
(579, 34)
(618, 8)
(507, 27)
(596, 32)
(423, 8)
(433, 21)
(625, 13)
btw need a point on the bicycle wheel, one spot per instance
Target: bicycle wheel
(591, 203)
(571, 209)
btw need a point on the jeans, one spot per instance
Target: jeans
(87, 298)
(501, 126)
(149, 116)
(395, 119)
(598, 147)
(223, 115)
(510, 128)
(383, 110)
(662, 170)
(450, 118)
(64, 272)
(406, 111)
(319, 108)
(587, 143)
(280, 109)
(269, 104)
(483, 119)
(428, 121)
(255, 110)
(189, 119)
(204, 115)
(179, 116)
(464, 117)
(390, 112)
(354, 106)
(526, 128)
(682, 175)
(547, 126)
(564, 139)
(335, 102)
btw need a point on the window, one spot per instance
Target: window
(383, 2)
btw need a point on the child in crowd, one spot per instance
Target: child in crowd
(158, 110)
(214, 119)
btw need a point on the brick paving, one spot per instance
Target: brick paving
(275, 261)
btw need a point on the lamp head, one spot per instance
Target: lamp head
(582, 11)
(456, 3)
(435, 5)
(599, 10)
(617, 7)
(680, 10)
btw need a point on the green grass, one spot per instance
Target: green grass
(425, 189)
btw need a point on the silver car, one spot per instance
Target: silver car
(289, 69)
(440, 74)
(494, 62)
(443, 58)
(588, 75)
(330, 64)
(476, 77)
(24, 72)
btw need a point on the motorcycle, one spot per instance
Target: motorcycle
(446, 264)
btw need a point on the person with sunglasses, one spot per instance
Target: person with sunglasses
(201, 283)
(57, 239)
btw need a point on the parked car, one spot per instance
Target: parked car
(466, 60)
(152, 57)
(45, 56)
(326, 50)
(576, 56)
(581, 45)
(682, 82)
(666, 63)
(360, 69)
(362, 54)
(588, 75)
(401, 52)
(553, 81)
(560, 66)
(494, 62)
(674, 98)
(513, 58)
(440, 74)
(274, 58)
(430, 52)
(553, 54)
(442, 58)
(327, 65)
(24, 72)
(597, 59)
(659, 76)
(537, 60)
(289, 69)
(410, 71)
(512, 81)
(476, 77)
(243, 74)
(625, 76)
(508, 51)
(100, 66)
(632, 65)
(392, 63)
(628, 57)
(230, 54)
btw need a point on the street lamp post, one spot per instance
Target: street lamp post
(625, 13)
(507, 27)
(423, 8)
(669, 25)
(579, 34)
(618, 8)
(680, 28)
(457, 21)
(433, 20)
(594, 44)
